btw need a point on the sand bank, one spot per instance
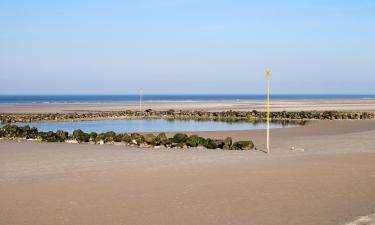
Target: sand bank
(277, 105)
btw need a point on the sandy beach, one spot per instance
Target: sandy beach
(186, 112)
(331, 182)
(276, 105)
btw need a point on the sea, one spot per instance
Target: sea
(71, 99)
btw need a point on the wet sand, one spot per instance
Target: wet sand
(276, 105)
(331, 182)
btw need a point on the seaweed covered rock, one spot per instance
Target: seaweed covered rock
(11, 131)
(219, 143)
(62, 135)
(192, 141)
(243, 145)
(117, 137)
(180, 138)
(162, 139)
(150, 139)
(93, 136)
(210, 144)
(49, 136)
(137, 138)
(227, 143)
(110, 136)
(7, 118)
(123, 138)
(100, 138)
(23, 131)
(195, 141)
(81, 136)
(2, 133)
(32, 133)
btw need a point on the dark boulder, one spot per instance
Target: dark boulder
(150, 139)
(81, 136)
(243, 145)
(227, 143)
(137, 138)
(180, 138)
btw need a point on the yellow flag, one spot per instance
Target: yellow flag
(268, 72)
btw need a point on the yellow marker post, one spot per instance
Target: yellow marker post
(268, 76)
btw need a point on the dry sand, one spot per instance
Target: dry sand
(276, 105)
(331, 182)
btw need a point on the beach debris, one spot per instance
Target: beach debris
(296, 149)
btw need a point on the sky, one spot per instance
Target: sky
(187, 46)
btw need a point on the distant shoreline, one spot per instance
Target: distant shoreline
(352, 105)
(101, 99)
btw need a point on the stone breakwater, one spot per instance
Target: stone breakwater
(179, 140)
(171, 114)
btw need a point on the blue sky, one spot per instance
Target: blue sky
(181, 46)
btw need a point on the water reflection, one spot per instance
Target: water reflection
(158, 125)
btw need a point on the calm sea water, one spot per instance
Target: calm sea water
(150, 125)
(19, 99)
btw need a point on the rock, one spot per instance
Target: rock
(161, 139)
(62, 135)
(180, 138)
(227, 143)
(123, 138)
(81, 136)
(150, 139)
(193, 141)
(297, 149)
(243, 145)
(137, 138)
(219, 143)
(210, 144)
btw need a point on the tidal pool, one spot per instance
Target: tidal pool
(150, 125)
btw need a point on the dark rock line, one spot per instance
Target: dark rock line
(230, 116)
(179, 140)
